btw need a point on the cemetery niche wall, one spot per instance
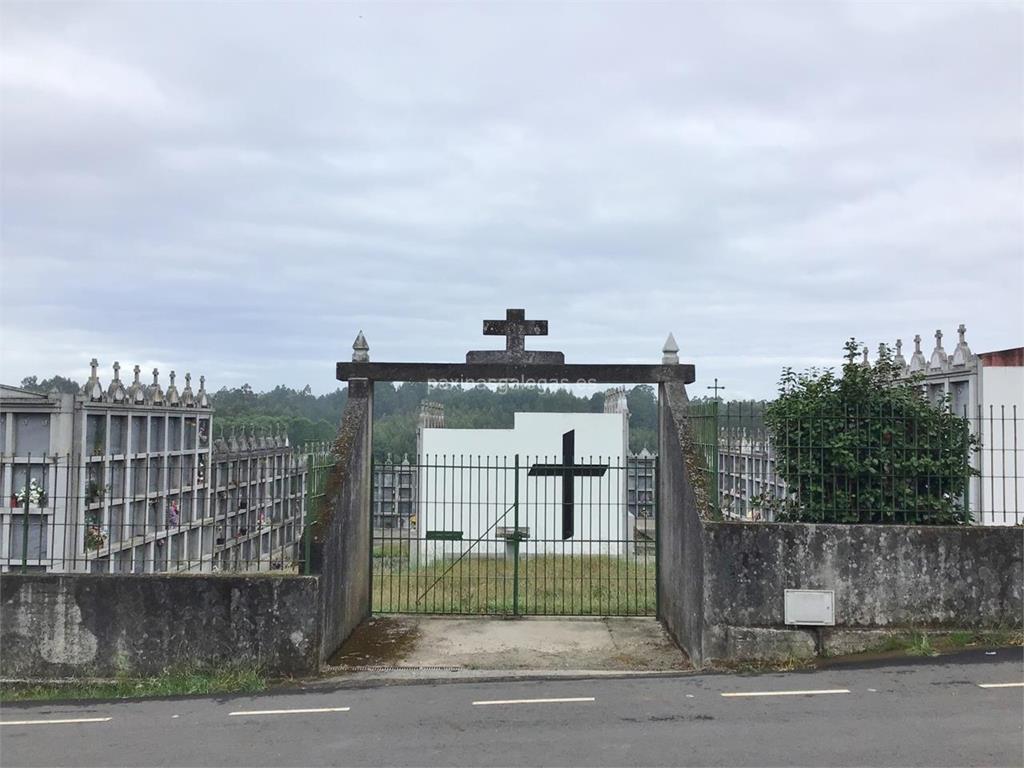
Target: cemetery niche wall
(128, 478)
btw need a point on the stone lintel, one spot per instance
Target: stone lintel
(524, 373)
(528, 357)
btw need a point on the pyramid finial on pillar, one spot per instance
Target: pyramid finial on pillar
(360, 349)
(670, 351)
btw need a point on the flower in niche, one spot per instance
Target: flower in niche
(95, 534)
(173, 516)
(34, 493)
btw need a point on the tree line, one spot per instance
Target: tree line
(307, 417)
(863, 446)
(396, 410)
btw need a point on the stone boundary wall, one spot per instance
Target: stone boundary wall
(885, 577)
(721, 585)
(79, 625)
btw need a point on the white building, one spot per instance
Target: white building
(570, 485)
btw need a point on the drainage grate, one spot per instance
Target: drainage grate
(399, 669)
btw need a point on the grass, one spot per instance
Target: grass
(919, 644)
(391, 548)
(987, 638)
(931, 643)
(581, 585)
(184, 680)
(911, 643)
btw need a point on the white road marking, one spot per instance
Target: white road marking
(533, 701)
(787, 693)
(1001, 685)
(58, 722)
(318, 710)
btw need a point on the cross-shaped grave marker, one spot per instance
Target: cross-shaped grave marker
(568, 470)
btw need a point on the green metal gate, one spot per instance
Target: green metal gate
(514, 535)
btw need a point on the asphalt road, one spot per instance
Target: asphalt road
(933, 712)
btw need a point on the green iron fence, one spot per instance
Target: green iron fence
(515, 535)
(319, 462)
(185, 510)
(857, 466)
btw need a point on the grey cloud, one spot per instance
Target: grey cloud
(241, 189)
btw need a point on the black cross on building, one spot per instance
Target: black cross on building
(568, 470)
(515, 328)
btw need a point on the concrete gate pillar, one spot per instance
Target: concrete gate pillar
(343, 538)
(679, 525)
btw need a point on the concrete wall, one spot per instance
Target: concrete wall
(342, 557)
(77, 625)
(884, 577)
(680, 533)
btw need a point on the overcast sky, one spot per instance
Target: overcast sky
(236, 189)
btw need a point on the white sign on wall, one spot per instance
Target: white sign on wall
(815, 607)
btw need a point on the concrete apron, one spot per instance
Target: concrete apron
(431, 647)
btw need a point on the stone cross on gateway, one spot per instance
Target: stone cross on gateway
(515, 327)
